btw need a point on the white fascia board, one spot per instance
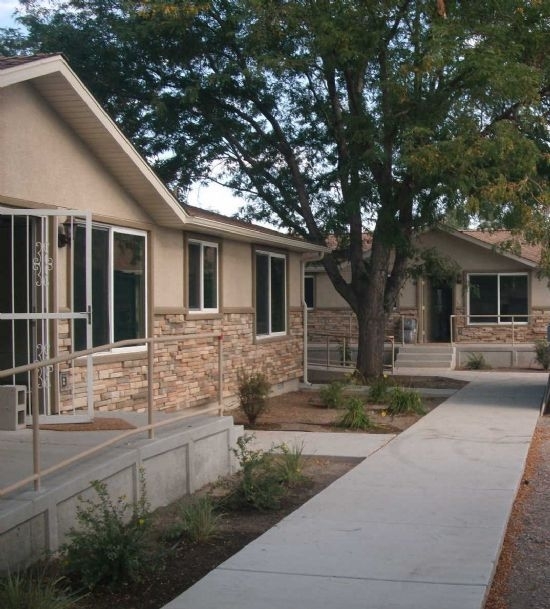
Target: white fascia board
(241, 233)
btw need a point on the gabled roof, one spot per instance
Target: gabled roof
(52, 77)
(500, 241)
(527, 252)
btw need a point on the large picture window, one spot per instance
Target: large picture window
(119, 285)
(203, 276)
(500, 298)
(270, 294)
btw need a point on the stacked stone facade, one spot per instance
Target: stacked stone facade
(185, 372)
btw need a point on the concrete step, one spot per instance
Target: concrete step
(424, 356)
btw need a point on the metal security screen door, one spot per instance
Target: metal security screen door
(36, 271)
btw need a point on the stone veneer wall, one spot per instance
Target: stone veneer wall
(186, 373)
(336, 322)
(342, 322)
(503, 333)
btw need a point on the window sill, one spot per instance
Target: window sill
(204, 315)
(271, 338)
(106, 357)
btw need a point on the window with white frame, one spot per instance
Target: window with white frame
(202, 286)
(498, 298)
(119, 284)
(270, 294)
(309, 291)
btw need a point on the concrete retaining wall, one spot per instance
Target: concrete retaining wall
(32, 524)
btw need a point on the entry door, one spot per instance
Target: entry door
(441, 309)
(33, 271)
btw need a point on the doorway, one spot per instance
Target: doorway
(440, 311)
(29, 312)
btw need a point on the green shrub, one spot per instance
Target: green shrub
(259, 486)
(109, 547)
(199, 521)
(33, 590)
(476, 361)
(542, 353)
(290, 464)
(355, 416)
(332, 396)
(253, 391)
(378, 389)
(404, 401)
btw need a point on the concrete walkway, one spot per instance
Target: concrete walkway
(417, 525)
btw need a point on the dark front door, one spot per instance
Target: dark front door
(441, 309)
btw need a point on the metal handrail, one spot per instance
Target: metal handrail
(150, 427)
(344, 341)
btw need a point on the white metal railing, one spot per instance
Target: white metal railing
(503, 323)
(34, 368)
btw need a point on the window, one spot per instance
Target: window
(496, 298)
(270, 294)
(119, 285)
(203, 276)
(309, 291)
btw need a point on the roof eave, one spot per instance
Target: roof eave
(242, 233)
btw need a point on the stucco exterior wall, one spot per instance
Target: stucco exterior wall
(64, 172)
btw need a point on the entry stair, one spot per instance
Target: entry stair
(425, 356)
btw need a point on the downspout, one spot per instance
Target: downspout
(309, 257)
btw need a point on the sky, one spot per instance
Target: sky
(6, 11)
(213, 197)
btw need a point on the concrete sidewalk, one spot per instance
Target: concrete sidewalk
(417, 525)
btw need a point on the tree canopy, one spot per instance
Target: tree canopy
(332, 117)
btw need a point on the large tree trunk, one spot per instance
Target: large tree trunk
(371, 321)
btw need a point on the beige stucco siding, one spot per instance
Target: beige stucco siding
(48, 164)
(326, 297)
(469, 256)
(236, 274)
(540, 292)
(168, 269)
(294, 280)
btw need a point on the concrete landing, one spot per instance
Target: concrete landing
(418, 524)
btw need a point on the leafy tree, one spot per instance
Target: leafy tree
(330, 116)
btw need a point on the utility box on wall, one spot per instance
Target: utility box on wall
(13, 406)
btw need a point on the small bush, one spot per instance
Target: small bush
(290, 464)
(542, 353)
(404, 401)
(253, 391)
(476, 361)
(378, 389)
(109, 547)
(332, 396)
(33, 590)
(259, 485)
(355, 416)
(199, 521)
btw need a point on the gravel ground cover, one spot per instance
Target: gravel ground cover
(522, 577)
